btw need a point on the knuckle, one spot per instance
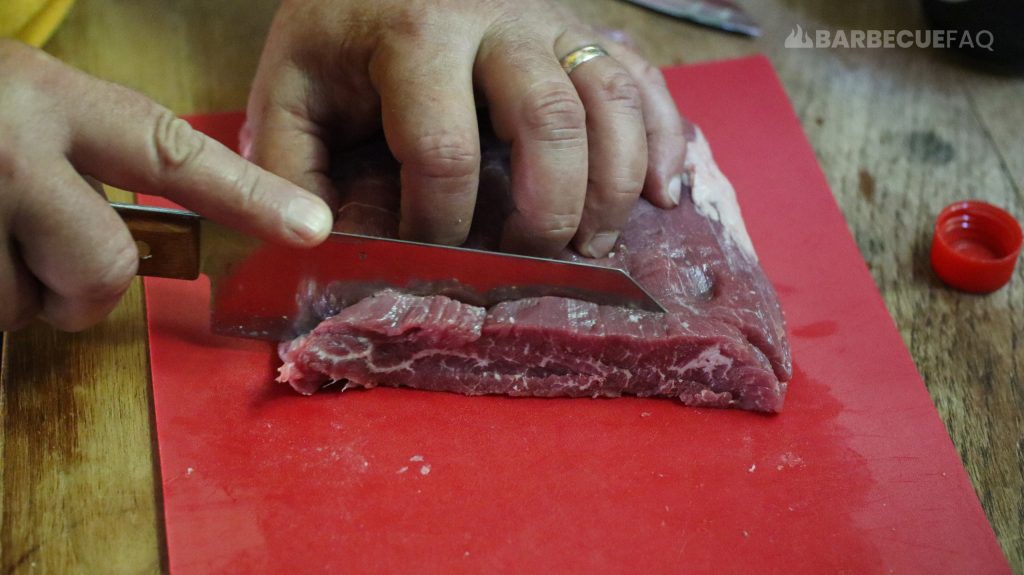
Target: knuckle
(115, 277)
(620, 189)
(175, 143)
(506, 26)
(249, 189)
(445, 156)
(620, 88)
(652, 75)
(414, 21)
(13, 163)
(28, 85)
(555, 113)
(552, 227)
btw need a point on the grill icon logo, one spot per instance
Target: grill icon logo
(798, 38)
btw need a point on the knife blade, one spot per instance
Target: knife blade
(267, 291)
(721, 14)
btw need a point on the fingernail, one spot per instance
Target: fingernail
(601, 244)
(307, 218)
(675, 188)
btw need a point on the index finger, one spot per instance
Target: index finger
(127, 140)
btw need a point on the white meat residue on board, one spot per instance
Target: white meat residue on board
(789, 459)
(424, 469)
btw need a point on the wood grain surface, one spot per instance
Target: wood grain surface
(899, 133)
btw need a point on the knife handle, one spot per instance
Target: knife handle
(168, 240)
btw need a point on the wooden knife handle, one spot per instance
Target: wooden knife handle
(168, 240)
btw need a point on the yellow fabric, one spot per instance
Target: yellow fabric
(32, 21)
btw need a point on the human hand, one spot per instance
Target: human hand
(584, 145)
(65, 256)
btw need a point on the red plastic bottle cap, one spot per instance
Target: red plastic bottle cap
(975, 247)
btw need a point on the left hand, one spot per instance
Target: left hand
(584, 145)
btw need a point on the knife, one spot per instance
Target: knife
(266, 291)
(721, 14)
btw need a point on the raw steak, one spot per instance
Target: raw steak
(722, 344)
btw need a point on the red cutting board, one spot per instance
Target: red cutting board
(857, 475)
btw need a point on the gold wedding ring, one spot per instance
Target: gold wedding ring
(577, 57)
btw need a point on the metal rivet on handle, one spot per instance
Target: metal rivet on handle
(144, 251)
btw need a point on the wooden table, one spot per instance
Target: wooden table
(900, 133)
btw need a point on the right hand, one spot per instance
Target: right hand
(65, 255)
